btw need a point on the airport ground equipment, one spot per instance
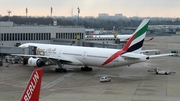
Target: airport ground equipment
(160, 71)
(176, 53)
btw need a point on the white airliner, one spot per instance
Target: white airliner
(32, 91)
(123, 38)
(89, 56)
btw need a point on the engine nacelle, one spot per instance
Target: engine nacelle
(35, 62)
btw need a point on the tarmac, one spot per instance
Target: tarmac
(128, 83)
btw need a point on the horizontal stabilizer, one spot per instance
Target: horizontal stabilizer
(133, 55)
(159, 55)
(151, 50)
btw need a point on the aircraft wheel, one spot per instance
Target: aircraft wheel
(86, 69)
(56, 70)
(64, 70)
(82, 68)
(90, 69)
(25, 61)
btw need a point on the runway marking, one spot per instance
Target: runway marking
(57, 81)
(167, 86)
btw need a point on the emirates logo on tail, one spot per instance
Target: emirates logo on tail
(32, 90)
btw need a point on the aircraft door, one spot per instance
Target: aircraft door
(33, 50)
(59, 54)
(84, 56)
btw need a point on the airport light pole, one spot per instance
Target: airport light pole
(51, 11)
(1, 61)
(78, 15)
(26, 14)
(9, 12)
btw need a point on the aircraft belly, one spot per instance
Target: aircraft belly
(93, 62)
(121, 62)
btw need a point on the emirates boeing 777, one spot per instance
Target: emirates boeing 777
(89, 56)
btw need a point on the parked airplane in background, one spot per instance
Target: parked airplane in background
(32, 90)
(91, 56)
(123, 38)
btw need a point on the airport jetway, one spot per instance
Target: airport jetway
(7, 51)
(17, 50)
(11, 50)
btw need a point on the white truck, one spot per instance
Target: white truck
(105, 79)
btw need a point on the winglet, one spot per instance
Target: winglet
(32, 90)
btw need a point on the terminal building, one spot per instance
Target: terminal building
(12, 35)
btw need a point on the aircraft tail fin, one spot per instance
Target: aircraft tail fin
(135, 43)
(32, 91)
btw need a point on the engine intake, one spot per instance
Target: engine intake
(35, 62)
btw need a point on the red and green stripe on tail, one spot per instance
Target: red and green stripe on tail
(134, 44)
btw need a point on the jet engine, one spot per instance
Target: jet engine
(35, 62)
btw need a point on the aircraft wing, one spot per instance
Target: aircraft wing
(159, 55)
(65, 59)
(35, 56)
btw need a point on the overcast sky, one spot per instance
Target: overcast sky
(129, 8)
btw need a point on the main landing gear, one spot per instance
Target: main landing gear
(86, 68)
(60, 69)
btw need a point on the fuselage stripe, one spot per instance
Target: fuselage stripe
(127, 47)
(120, 52)
(135, 46)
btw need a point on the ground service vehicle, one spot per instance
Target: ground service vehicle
(105, 79)
(157, 71)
